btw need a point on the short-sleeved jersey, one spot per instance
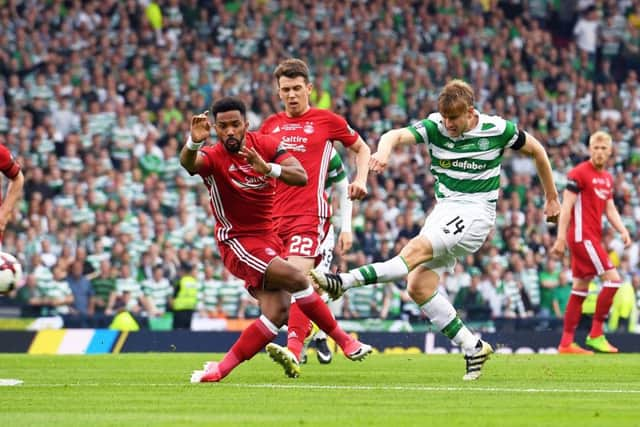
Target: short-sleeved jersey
(8, 166)
(594, 188)
(466, 167)
(241, 198)
(309, 138)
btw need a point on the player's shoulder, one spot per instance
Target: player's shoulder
(433, 120)
(322, 114)
(4, 151)
(272, 123)
(582, 167)
(494, 124)
(258, 138)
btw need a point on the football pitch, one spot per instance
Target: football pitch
(385, 390)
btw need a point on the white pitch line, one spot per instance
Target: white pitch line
(349, 387)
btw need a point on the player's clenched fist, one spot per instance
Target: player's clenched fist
(200, 127)
(357, 190)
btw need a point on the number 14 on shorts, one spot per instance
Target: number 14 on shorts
(455, 226)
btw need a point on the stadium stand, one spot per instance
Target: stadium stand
(96, 98)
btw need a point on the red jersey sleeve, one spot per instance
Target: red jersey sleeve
(8, 166)
(206, 168)
(340, 130)
(267, 125)
(574, 183)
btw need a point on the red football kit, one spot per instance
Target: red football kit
(302, 213)
(9, 168)
(594, 188)
(242, 203)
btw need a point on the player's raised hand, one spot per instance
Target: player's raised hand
(378, 162)
(255, 160)
(552, 210)
(200, 127)
(557, 250)
(357, 190)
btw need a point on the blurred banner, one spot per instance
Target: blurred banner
(97, 341)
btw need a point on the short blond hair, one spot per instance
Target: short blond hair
(600, 136)
(456, 97)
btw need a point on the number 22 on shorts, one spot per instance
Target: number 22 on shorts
(301, 246)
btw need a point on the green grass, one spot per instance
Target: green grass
(385, 390)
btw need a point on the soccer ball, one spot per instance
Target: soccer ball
(10, 272)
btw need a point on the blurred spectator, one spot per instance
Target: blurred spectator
(102, 287)
(185, 296)
(81, 309)
(470, 303)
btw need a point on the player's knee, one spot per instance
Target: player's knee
(417, 251)
(280, 316)
(277, 314)
(420, 292)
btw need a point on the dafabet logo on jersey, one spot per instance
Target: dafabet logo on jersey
(462, 164)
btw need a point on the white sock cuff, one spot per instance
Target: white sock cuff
(303, 293)
(611, 284)
(269, 324)
(580, 293)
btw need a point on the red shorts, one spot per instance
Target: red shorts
(302, 235)
(588, 259)
(248, 258)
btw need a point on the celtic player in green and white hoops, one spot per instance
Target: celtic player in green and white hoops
(466, 149)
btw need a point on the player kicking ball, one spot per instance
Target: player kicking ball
(466, 154)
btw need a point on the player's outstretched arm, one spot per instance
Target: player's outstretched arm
(289, 171)
(614, 218)
(533, 148)
(388, 141)
(358, 188)
(14, 192)
(200, 131)
(568, 201)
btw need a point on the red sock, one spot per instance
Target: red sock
(298, 327)
(603, 304)
(252, 340)
(313, 306)
(572, 317)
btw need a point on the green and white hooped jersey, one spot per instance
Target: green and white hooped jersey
(468, 167)
(336, 171)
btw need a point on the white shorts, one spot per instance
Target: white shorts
(326, 251)
(456, 229)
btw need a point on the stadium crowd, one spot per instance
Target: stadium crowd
(96, 99)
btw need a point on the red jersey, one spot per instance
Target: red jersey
(8, 166)
(241, 198)
(309, 138)
(594, 188)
